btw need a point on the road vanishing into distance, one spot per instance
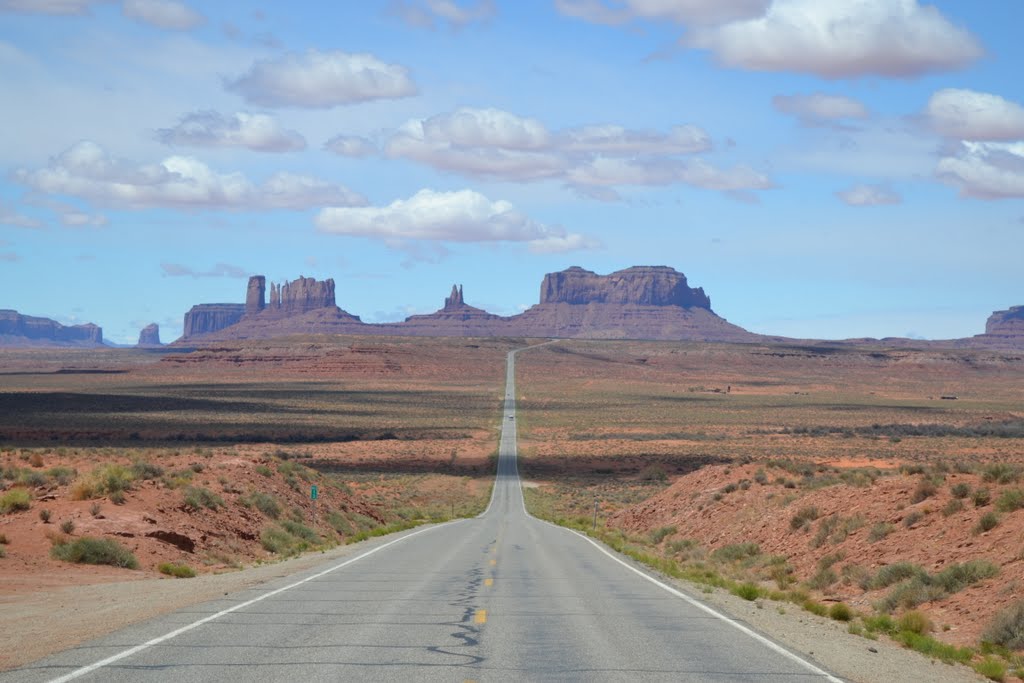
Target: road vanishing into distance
(501, 597)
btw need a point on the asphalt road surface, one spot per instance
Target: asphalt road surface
(502, 597)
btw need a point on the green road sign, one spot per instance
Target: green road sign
(313, 492)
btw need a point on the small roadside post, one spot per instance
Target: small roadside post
(595, 514)
(314, 493)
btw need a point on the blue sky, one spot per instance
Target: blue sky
(822, 168)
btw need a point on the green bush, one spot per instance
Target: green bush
(300, 530)
(952, 507)
(67, 526)
(339, 523)
(910, 594)
(1007, 627)
(913, 518)
(88, 550)
(146, 470)
(178, 571)
(961, 490)
(879, 531)
(815, 608)
(914, 622)
(736, 552)
(822, 580)
(840, 612)
(45, 515)
(991, 668)
(896, 572)
(1000, 473)
(264, 470)
(279, 541)
(14, 500)
(988, 522)
(927, 645)
(881, 623)
(197, 497)
(956, 577)
(747, 591)
(660, 534)
(1010, 500)
(264, 502)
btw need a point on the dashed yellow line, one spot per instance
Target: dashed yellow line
(494, 562)
(481, 616)
(488, 582)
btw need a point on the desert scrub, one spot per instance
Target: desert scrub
(104, 480)
(1010, 500)
(45, 515)
(925, 489)
(280, 541)
(660, 534)
(954, 506)
(840, 612)
(914, 622)
(960, 490)
(913, 518)
(1000, 473)
(736, 552)
(264, 470)
(15, 500)
(896, 572)
(879, 531)
(178, 571)
(1007, 627)
(981, 498)
(747, 591)
(264, 502)
(803, 518)
(991, 668)
(955, 577)
(988, 522)
(197, 497)
(88, 550)
(143, 469)
(67, 526)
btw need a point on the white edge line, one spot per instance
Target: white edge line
(706, 608)
(177, 632)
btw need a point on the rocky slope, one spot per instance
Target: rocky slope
(26, 330)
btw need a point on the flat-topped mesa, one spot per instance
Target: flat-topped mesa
(639, 285)
(255, 295)
(301, 296)
(1008, 323)
(455, 301)
(206, 318)
(17, 329)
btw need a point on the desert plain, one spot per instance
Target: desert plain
(862, 483)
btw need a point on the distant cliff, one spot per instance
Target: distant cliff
(639, 285)
(26, 330)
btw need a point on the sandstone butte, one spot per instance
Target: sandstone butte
(149, 336)
(642, 302)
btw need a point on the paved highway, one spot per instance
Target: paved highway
(502, 597)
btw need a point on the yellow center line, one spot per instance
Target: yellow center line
(488, 582)
(494, 562)
(481, 616)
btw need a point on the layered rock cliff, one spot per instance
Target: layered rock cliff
(27, 330)
(639, 285)
(204, 319)
(300, 296)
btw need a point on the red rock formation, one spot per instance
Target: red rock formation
(255, 295)
(301, 296)
(150, 335)
(204, 319)
(26, 330)
(639, 285)
(455, 301)
(1008, 323)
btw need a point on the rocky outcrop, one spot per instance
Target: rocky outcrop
(204, 319)
(301, 296)
(639, 285)
(150, 335)
(456, 319)
(1008, 323)
(26, 330)
(455, 301)
(255, 295)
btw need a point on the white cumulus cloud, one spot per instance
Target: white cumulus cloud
(252, 131)
(460, 216)
(168, 14)
(972, 115)
(320, 80)
(86, 171)
(869, 195)
(986, 170)
(818, 109)
(843, 39)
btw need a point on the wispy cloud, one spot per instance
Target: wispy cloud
(971, 115)
(820, 109)
(869, 195)
(218, 270)
(166, 14)
(678, 11)
(320, 80)
(431, 13)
